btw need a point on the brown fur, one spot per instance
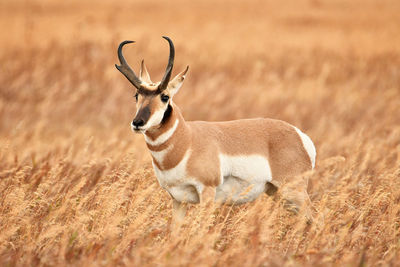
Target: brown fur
(276, 140)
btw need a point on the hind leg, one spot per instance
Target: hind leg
(270, 189)
(294, 195)
(296, 198)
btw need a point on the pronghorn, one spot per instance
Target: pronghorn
(238, 159)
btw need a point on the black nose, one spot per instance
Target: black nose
(138, 122)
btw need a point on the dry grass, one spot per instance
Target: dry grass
(77, 187)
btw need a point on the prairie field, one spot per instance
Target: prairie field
(77, 186)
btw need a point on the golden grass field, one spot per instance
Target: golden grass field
(77, 186)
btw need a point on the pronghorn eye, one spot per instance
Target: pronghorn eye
(136, 96)
(164, 98)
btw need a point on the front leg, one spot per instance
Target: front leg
(208, 194)
(179, 210)
(181, 195)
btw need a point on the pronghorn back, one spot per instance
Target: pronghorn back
(277, 141)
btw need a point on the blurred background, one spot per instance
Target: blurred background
(246, 58)
(331, 68)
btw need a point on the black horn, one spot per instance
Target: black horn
(124, 67)
(167, 76)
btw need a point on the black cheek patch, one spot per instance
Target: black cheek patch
(167, 114)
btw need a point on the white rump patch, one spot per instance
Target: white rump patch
(162, 138)
(308, 146)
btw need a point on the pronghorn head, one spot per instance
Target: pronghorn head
(152, 99)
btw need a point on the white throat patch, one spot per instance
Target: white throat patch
(162, 138)
(155, 119)
(159, 156)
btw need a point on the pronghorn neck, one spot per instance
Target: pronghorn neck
(172, 124)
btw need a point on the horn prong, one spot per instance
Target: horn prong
(144, 74)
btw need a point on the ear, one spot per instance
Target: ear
(176, 83)
(143, 74)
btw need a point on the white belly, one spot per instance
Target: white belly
(244, 178)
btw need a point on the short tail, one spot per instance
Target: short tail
(308, 146)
